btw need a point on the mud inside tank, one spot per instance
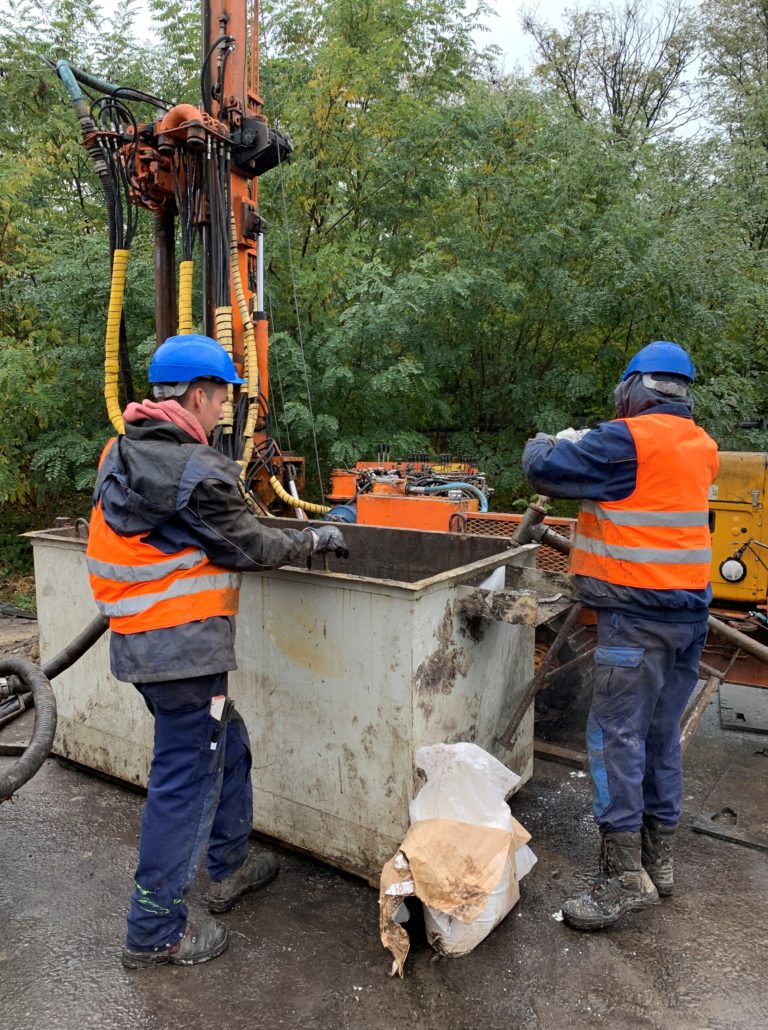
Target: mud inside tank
(407, 556)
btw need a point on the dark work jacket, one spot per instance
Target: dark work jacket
(158, 480)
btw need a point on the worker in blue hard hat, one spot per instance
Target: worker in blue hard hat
(169, 536)
(641, 558)
(667, 359)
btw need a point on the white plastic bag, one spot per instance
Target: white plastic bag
(465, 784)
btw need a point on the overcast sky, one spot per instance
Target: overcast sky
(506, 33)
(504, 28)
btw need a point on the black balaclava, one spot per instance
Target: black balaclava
(636, 394)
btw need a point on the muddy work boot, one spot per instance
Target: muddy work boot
(623, 885)
(257, 871)
(657, 854)
(203, 939)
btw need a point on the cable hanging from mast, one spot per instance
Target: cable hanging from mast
(186, 188)
(299, 329)
(113, 117)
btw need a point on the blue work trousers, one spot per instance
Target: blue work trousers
(199, 794)
(645, 673)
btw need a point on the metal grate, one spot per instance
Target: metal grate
(498, 524)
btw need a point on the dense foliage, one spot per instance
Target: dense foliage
(456, 257)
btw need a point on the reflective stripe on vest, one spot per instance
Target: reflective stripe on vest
(144, 573)
(141, 588)
(646, 518)
(180, 588)
(658, 537)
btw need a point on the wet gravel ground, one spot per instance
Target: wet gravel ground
(305, 951)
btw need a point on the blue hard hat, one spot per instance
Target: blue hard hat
(184, 358)
(662, 356)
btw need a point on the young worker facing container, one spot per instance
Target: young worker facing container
(169, 536)
(641, 558)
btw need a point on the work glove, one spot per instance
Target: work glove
(571, 434)
(329, 538)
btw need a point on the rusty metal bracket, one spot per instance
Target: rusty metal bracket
(536, 683)
(699, 703)
(564, 670)
(560, 755)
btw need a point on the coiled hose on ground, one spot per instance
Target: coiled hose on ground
(26, 677)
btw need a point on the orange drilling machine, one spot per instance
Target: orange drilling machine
(197, 166)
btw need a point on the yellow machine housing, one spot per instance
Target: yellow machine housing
(737, 500)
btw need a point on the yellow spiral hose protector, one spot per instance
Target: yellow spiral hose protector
(112, 339)
(249, 339)
(252, 375)
(186, 268)
(224, 336)
(286, 498)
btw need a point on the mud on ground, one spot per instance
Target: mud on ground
(18, 638)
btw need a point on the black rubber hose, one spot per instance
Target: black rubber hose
(45, 725)
(24, 676)
(76, 648)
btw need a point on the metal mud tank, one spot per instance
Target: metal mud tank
(343, 673)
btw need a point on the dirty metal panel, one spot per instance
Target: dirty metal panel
(323, 683)
(554, 590)
(102, 723)
(470, 679)
(736, 808)
(743, 708)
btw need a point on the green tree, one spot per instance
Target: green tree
(453, 261)
(54, 271)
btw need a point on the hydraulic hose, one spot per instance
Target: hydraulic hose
(78, 75)
(69, 77)
(35, 754)
(296, 502)
(76, 648)
(186, 270)
(112, 341)
(64, 71)
(224, 337)
(445, 487)
(24, 677)
(249, 339)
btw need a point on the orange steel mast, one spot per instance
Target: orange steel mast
(240, 99)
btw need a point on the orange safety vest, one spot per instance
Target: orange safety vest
(139, 587)
(658, 537)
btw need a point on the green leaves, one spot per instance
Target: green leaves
(473, 257)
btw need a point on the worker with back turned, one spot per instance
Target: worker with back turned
(641, 558)
(169, 536)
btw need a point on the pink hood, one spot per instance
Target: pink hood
(166, 411)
